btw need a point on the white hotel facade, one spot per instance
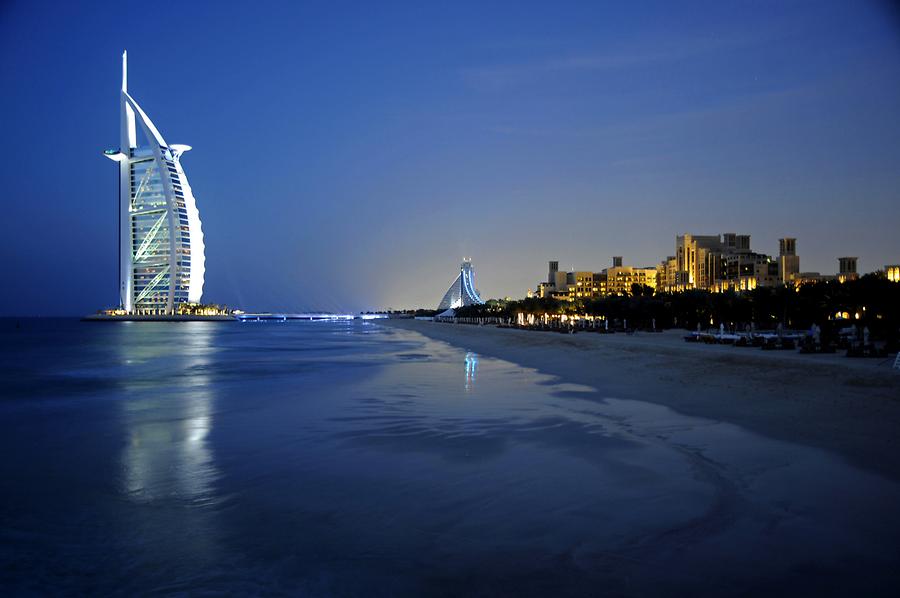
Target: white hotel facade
(161, 251)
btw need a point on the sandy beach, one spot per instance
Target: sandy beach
(850, 407)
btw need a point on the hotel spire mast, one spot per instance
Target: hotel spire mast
(126, 144)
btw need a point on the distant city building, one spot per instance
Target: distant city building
(746, 271)
(556, 281)
(698, 260)
(671, 279)
(717, 263)
(892, 273)
(619, 279)
(585, 284)
(551, 274)
(802, 278)
(847, 269)
(788, 260)
(735, 243)
(725, 262)
(462, 290)
(161, 251)
(579, 285)
(600, 286)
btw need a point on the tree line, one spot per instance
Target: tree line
(871, 301)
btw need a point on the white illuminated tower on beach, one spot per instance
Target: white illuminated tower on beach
(161, 252)
(462, 290)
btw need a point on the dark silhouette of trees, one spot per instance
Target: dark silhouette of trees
(870, 301)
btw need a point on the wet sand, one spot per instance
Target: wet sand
(850, 407)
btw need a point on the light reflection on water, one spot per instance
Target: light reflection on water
(338, 459)
(167, 454)
(471, 369)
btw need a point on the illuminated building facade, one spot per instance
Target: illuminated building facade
(161, 251)
(579, 285)
(571, 286)
(556, 284)
(707, 262)
(725, 262)
(847, 269)
(802, 278)
(746, 271)
(717, 263)
(788, 260)
(620, 278)
(462, 291)
(671, 279)
(698, 258)
(892, 273)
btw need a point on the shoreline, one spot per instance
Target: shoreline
(168, 318)
(242, 317)
(848, 406)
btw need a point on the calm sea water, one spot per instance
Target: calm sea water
(322, 459)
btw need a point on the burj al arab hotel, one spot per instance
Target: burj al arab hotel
(161, 261)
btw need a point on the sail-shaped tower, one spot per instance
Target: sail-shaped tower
(462, 291)
(161, 252)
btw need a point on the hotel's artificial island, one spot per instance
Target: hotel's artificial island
(161, 251)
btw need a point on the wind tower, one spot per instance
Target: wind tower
(788, 260)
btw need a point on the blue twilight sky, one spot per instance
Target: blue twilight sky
(347, 155)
